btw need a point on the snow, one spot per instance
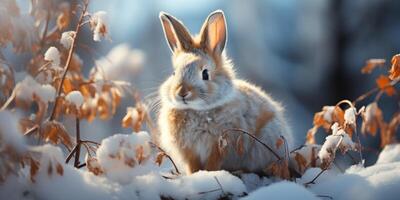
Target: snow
(28, 87)
(67, 38)
(350, 116)
(53, 55)
(75, 97)
(389, 154)
(9, 134)
(118, 156)
(328, 112)
(283, 191)
(338, 140)
(121, 181)
(121, 63)
(99, 23)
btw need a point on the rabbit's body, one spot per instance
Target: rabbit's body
(203, 102)
(192, 136)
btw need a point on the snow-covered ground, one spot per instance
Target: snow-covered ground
(122, 178)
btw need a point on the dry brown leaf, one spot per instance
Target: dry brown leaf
(383, 83)
(93, 165)
(63, 20)
(240, 145)
(372, 118)
(279, 142)
(279, 169)
(389, 135)
(160, 157)
(103, 108)
(55, 132)
(139, 154)
(59, 169)
(34, 169)
(395, 69)
(310, 138)
(301, 162)
(371, 64)
(68, 86)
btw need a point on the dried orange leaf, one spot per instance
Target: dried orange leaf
(160, 157)
(279, 142)
(395, 69)
(371, 64)
(383, 83)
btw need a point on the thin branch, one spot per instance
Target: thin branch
(46, 27)
(92, 142)
(256, 139)
(67, 64)
(359, 145)
(222, 189)
(325, 196)
(78, 142)
(9, 100)
(32, 130)
(169, 157)
(71, 154)
(316, 177)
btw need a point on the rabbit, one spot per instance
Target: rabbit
(203, 101)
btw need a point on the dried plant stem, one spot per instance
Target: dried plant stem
(67, 64)
(9, 100)
(359, 145)
(46, 27)
(376, 89)
(255, 138)
(168, 156)
(78, 142)
(32, 130)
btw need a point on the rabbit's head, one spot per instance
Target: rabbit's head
(202, 77)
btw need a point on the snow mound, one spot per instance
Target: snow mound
(391, 153)
(123, 157)
(67, 38)
(28, 87)
(53, 55)
(282, 191)
(9, 134)
(75, 97)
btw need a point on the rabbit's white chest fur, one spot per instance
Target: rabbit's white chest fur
(191, 136)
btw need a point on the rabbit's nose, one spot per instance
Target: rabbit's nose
(183, 92)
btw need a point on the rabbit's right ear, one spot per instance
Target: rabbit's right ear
(175, 33)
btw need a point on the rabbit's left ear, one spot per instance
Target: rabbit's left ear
(214, 33)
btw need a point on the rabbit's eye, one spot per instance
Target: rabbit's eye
(205, 74)
(173, 73)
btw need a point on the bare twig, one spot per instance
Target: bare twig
(78, 142)
(67, 64)
(359, 145)
(32, 130)
(222, 189)
(255, 138)
(9, 100)
(92, 142)
(168, 156)
(325, 196)
(46, 27)
(71, 154)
